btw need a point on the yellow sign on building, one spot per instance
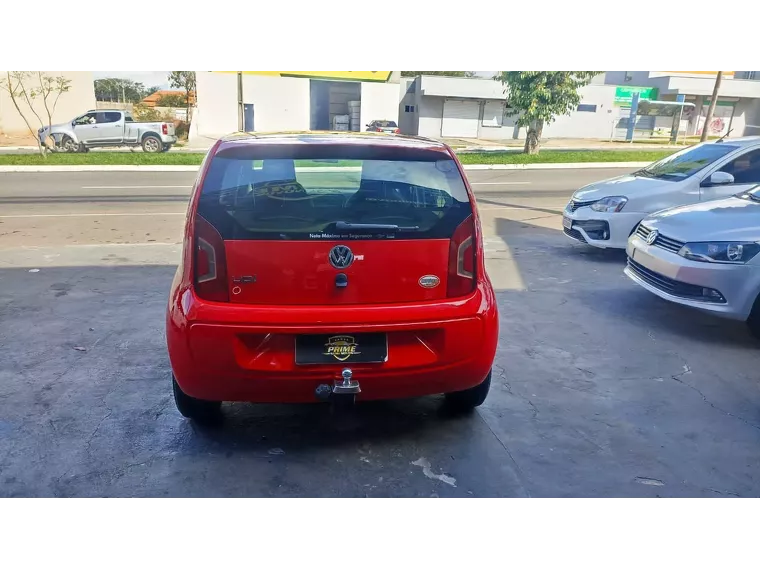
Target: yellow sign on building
(379, 76)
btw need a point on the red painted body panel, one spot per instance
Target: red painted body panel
(243, 350)
(384, 271)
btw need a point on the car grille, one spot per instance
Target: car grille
(573, 205)
(574, 234)
(672, 286)
(672, 245)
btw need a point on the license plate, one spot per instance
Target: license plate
(567, 223)
(341, 349)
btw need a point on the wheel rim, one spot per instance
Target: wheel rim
(151, 145)
(68, 145)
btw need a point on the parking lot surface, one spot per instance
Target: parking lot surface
(599, 388)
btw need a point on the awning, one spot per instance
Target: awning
(661, 108)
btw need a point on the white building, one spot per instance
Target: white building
(454, 107)
(292, 101)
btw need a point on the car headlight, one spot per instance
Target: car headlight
(720, 251)
(611, 204)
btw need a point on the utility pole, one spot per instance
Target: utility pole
(240, 100)
(711, 109)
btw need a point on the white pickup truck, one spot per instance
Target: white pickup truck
(103, 127)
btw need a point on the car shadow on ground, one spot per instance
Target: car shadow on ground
(610, 293)
(596, 255)
(86, 410)
(310, 427)
(611, 386)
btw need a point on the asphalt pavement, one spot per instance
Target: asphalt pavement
(600, 388)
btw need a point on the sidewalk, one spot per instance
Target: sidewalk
(201, 144)
(568, 144)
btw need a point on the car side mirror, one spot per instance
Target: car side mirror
(718, 179)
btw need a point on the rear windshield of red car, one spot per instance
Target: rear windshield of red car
(313, 192)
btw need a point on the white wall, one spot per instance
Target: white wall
(579, 124)
(79, 99)
(587, 124)
(430, 116)
(461, 87)
(379, 102)
(407, 121)
(279, 103)
(217, 112)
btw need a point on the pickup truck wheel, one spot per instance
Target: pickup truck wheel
(68, 144)
(151, 144)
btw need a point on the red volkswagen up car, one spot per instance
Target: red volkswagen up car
(320, 266)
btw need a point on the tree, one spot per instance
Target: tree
(143, 113)
(184, 80)
(114, 89)
(711, 108)
(172, 100)
(538, 97)
(27, 89)
(439, 72)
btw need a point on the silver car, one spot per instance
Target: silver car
(703, 255)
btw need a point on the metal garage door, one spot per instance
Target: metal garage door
(460, 119)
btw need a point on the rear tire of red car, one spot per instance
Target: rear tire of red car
(468, 399)
(199, 410)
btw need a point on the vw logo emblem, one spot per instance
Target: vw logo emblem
(652, 237)
(341, 257)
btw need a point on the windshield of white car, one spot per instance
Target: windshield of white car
(686, 163)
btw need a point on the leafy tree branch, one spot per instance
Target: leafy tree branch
(539, 97)
(29, 89)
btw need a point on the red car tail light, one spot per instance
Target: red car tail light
(209, 262)
(462, 263)
(378, 129)
(165, 128)
(397, 131)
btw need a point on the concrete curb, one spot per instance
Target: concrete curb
(519, 149)
(557, 166)
(162, 168)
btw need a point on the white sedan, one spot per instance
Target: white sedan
(604, 214)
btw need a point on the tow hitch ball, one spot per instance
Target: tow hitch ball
(347, 388)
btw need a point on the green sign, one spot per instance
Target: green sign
(720, 103)
(624, 95)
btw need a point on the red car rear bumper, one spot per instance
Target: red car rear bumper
(246, 353)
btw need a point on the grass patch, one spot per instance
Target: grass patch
(564, 157)
(103, 159)
(194, 159)
(136, 158)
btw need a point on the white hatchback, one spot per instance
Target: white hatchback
(604, 214)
